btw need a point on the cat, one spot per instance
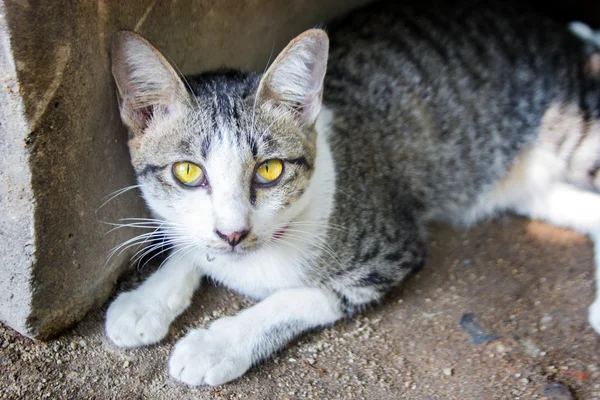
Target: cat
(308, 186)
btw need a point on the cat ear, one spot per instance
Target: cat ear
(148, 87)
(295, 79)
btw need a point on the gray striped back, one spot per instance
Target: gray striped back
(433, 105)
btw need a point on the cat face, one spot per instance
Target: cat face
(227, 164)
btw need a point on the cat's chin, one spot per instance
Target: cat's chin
(230, 253)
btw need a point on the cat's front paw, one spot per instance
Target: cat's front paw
(594, 315)
(209, 357)
(133, 321)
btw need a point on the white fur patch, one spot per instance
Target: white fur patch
(143, 316)
(284, 264)
(229, 347)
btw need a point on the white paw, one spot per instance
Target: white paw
(594, 315)
(209, 357)
(133, 321)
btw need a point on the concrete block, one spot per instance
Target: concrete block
(63, 147)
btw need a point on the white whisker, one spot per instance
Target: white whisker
(319, 246)
(116, 194)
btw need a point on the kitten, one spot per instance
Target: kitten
(454, 112)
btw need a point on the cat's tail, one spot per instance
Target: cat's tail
(585, 33)
(591, 38)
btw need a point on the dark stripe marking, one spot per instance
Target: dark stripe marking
(346, 305)
(253, 145)
(374, 278)
(151, 168)
(205, 147)
(300, 161)
(592, 172)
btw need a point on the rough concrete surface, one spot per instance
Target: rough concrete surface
(16, 197)
(526, 282)
(62, 142)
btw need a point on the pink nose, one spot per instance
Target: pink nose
(233, 238)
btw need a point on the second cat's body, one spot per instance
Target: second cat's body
(308, 186)
(456, 112)
(448, 96)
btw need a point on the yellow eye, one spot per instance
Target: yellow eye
(269, 171)
(189, 174)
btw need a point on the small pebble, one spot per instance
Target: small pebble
(530, 347)
(556, 391)
(476, 333)
(448, 371)
(83, 343)
(400, 362)
(126, 364)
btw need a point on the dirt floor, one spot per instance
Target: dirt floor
(526, 284)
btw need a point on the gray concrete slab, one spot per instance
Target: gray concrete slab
(64, 148)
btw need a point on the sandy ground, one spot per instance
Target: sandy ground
(525, 282)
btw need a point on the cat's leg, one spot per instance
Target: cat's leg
(231, 345)
(566, 205)
(143, 316)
